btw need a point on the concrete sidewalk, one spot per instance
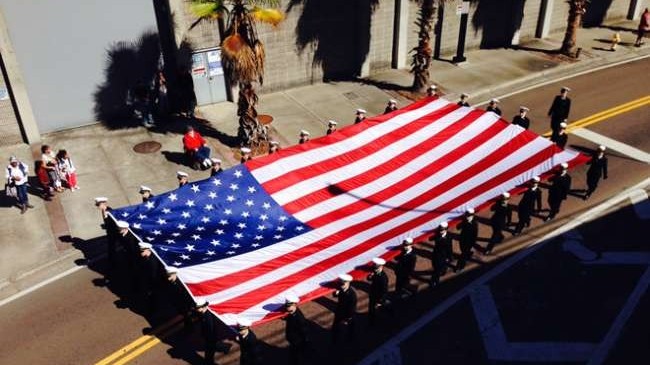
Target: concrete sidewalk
(54, 236)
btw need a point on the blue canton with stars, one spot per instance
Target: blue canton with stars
(220, 217)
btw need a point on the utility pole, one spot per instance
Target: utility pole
(463, 10)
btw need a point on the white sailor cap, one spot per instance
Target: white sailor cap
(198, 303)
(563, 125)
(407, 241)
(144, 245)
(144, 188)
(304, 132)
(361, 111)
(122, 224)
(244, 323)
(171, 270)
(215, 161)
(245, 150)
(564, 165)
(470, 211)
(13, 159)
(443, 225)
(602, 148)
(495, 101)
(565, 88)
(392, 101)
(291, 299)
(379, 261)
(536, 179)
(464, 95)
(274, 143)
(180, 174)
(331, 122)
(345, 277)
(505, 195)
(523, 108)
(101, 199)
(432, 87)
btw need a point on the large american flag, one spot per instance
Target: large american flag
(290, 222)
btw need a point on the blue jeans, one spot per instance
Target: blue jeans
(21, 195)
(202, 153)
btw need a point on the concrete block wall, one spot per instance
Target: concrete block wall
(381, 36)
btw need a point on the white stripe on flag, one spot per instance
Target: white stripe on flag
(313, 156)
(260, 310)
(220, 268)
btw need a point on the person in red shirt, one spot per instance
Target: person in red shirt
(195, 146)
(644, 26)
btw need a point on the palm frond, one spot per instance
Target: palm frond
(207, 9)
(265, 3)
(267, 15)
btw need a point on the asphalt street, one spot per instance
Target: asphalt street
(80, 319)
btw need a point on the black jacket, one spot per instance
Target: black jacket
(405, 263)
(468, 234)
(296, 329)
(378, 285)
(208, 326)
(597, 168)
(502, 215)
(442, 250)
(560, 108)
(560, 187)
(560, 139)
(523, 122)
(530, 200)
(496, 110)
(249, 348)
(346, 307)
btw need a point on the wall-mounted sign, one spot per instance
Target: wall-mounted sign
(214, 63)
(198, 65)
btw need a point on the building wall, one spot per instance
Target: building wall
(62, 54)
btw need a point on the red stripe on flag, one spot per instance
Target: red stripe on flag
(339, 135)
(371, 147)
(259, 295)
(390, 165)
(218, 284)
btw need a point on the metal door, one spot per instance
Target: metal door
(208, 76)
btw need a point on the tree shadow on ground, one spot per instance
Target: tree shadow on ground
(617, 28)
(499, 21)
(338, 32)
(385, 85)
(533, 49)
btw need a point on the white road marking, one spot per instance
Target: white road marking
(603, 349)
(442, 307)
(641, 204)
(613, 144)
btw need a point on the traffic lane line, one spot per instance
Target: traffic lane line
(155, 336)
(613, 144)
(590, 215)
(606, 114)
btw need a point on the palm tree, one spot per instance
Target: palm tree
(423, 52)
(577, 8)
(242, 53)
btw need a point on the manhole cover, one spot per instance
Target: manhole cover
(147, 147)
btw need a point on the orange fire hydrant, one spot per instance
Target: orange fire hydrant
(616, 39)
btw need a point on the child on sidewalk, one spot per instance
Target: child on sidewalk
(68, 169)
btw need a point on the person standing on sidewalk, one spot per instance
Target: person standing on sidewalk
(494, 107)
(499, 221)
(295, 331)
(597, 169)
(378, 288)
(16, 175)
(68, 169)
(52, 166)
(467, 238)
(559, 190)
(644, 26)
(530, 203)
(560, 109)
(441, 254)
(521, 119)
(196, 147)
